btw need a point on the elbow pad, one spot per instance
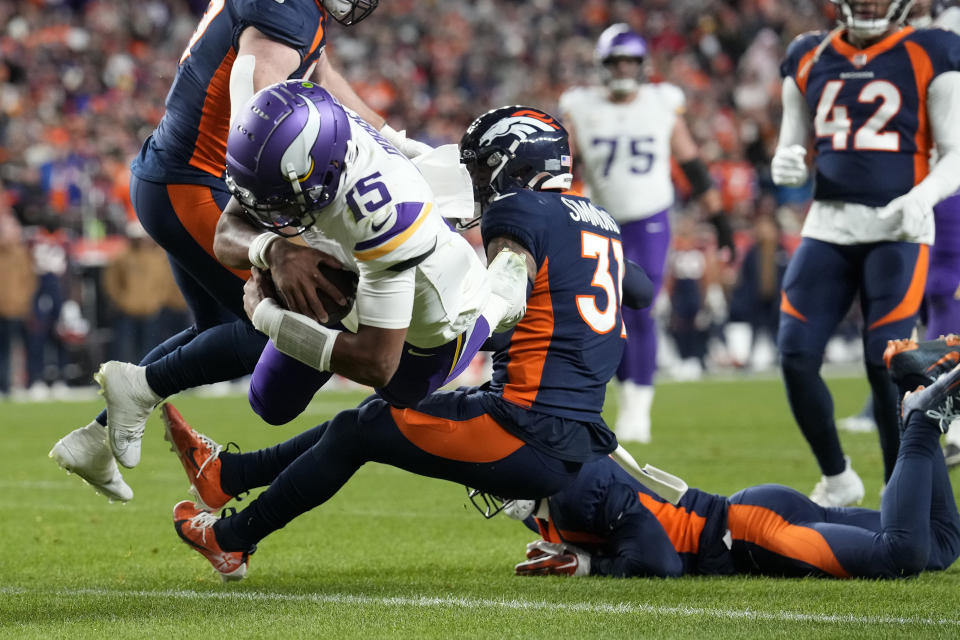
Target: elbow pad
(637, 286)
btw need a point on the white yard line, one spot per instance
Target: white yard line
(480, 603)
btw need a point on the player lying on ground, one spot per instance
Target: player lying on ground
(606, 523)
(527, 432)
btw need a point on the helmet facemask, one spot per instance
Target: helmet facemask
(350, 12)
(876, 26)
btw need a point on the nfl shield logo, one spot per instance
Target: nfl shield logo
(859, 60)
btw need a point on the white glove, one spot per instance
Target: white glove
(407, 146)
(913, 210)
(788, 168)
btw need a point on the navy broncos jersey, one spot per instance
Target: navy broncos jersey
(629, 530)
(568, 345)
(190, 143)
(873, 137)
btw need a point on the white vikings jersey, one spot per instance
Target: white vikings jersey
(415, 271)
(625, 147)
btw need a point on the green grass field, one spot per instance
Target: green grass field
(395, 555)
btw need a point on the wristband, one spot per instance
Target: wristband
(296, 335)
(257, 251)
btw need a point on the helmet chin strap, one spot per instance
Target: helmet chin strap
(621, 87)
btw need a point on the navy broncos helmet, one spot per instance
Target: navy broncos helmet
(512, 147)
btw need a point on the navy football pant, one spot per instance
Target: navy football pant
(778, 531)
(222, 344)
(821, 282)
(447, 436)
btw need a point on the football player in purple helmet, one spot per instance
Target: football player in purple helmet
(178, 191)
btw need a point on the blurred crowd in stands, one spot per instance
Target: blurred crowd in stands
(82, 83)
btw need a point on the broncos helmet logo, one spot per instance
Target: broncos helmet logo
(520, 126)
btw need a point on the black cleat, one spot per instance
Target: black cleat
(913, 363)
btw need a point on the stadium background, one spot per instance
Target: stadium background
(83, 83)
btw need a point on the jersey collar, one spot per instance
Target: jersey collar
(860, 57)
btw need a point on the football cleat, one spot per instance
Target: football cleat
(939, 401)
(841, 490)
(195, 527)
(913, 363)
(85, 452)
(129, 402)
(200, 457)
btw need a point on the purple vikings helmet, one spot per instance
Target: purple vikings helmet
(619, 41)
(350, 12)
(872, 26)
(285, 155)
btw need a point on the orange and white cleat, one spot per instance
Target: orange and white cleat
(913, 363)
(195, 527)
(200, 457)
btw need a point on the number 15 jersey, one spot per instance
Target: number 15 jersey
(869, 109)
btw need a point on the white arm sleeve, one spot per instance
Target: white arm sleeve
(943, 109)
(795, 122)
(385, 299)
(241, 83)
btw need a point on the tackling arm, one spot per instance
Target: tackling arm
(260, 62)
(335, 83)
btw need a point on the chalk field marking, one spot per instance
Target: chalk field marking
(477, 603)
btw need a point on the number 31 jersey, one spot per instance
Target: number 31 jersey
(869, 109)
(568, 344)
(625, 147)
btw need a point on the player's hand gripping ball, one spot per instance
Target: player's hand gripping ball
(346, 282)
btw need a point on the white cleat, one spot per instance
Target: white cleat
(85, 452)
(129, 403)
(857, 424)
(508, 290)
(842, 490)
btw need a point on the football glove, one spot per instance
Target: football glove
(552, 559)
(789, 167)
(914, 212)
(407, 146)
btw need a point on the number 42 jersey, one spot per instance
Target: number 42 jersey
(869, 108)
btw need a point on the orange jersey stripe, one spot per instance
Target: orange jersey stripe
(198, 212)
(529, 344)
(787, 307)
(923, 74)
(768, 529)
(682, 527)
(860, 57)
(803, 69)
(914, 295)
(318, 36)
(479, 439)
(211, 145)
